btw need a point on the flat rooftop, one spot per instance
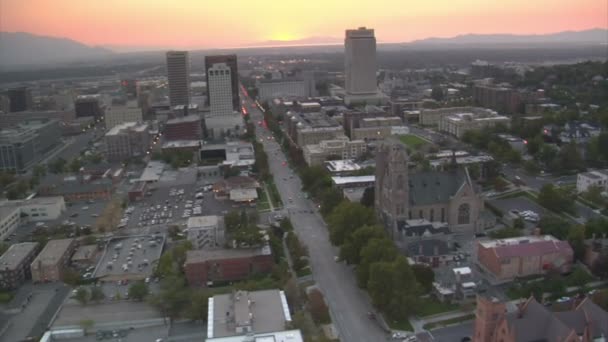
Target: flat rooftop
(280, 336)
(214, 254)
(264, 311)
(353, 180)
(53, 251)
(15, 254)
(187, 118)
(181, 143)
(139, 127)
(203, 221)
(342, 165)
(517, 241)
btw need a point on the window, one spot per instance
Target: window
(432, 215)
(421, 214)
(442, 214)
(464, 213)
(409, 214)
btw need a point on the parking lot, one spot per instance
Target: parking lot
(131, 258)
(520, 204)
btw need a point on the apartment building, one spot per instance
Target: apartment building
(50, 264)
(15, 264)
(311, 128)
(598, 178)
(117, 115)
(127, 140)
(458, 124)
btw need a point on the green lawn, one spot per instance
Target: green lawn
(464, 318)
(431, 306)
(412, 141)
(274, 194)
(5, 297)
(262, 203)
(401, 324)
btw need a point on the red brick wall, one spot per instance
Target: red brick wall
(488, 259)
(227, 269)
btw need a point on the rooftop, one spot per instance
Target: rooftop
(181, 143)
(15, 254)
(262, 311)
(203, 221)
(527, 246)
(215, 254)
(342, 165)
(353, 180)
(187, 118)
(53, 251)
(138, 127)
(280, 336)
(84, 252)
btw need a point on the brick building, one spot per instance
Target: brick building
(505, 260)
(15, 264)
(183, 128)
(532, 321)
(205, 267)
(50, 264)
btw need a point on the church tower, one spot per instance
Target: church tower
(392, 185)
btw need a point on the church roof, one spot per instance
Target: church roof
(432, 187)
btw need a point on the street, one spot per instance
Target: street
(348, 304)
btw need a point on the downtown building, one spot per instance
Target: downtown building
(127, 140)
(117, 115)
(222, 120)
(87, 106)
(19, 99)
(360, 68)
(23, 145)
(178, 75)
(231, 62)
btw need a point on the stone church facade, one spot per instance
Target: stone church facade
(436, 196)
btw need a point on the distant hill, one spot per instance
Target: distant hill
(593, 36)
(22, 49)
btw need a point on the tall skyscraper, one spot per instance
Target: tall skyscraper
(20, 99)
(231, 62)
(360, 66)
(219, 85)
(178, 73)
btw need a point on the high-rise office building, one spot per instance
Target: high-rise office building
(20, 99)
(231, 62)
(360, 66)
(178, 74)
(219, 85)
(88, 106)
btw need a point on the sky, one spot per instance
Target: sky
(234, 23)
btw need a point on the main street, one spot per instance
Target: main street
(348, 304)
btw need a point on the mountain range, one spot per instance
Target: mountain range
(20, 50)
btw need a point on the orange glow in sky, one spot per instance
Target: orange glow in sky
(230, 23)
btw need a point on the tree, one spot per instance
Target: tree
(594, 195)
(380, 284)
(39, 170)
(376, 250)
(500, 184)
(556, 199)
(71, 277)
(570, 158)
(75, 165)
(138, 291)
(405, 289)
(318, 308)
(425, 276)
(576, 239)
(346, 218)
(173, 297)
(519, 223)
(82, 295)
(97, 294)
(197, 308)
(367, 199)
(57, 166)
(600, 266)
(596, 228)
(330, 198)
(232, 221)
(350, 250)
(534, 145)
(505, 233)
(579, 277)
(555, 226)
(548, 156)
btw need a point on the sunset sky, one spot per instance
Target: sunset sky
(232, 23)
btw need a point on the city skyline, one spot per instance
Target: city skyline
(157, 24)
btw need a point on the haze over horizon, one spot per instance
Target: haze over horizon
(195, 25)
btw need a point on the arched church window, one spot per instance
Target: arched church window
(464, 213)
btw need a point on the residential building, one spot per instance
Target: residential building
(223, 188)
(19, 99)
(10, 218)
(206, 231)
(127, 140)
(116, 115)
(431, 252)
(458, 124)
(15, 264)
(207, 267)
(178, 74)
(432, 117)
(340, 148)
(89, 106)
(360, 67)
(597, 178)
(245, 313)
(505, 260)
(231, 62)
(183, 128)
(50, 264)
(23, 145)
(497, 97)
(449, 196)
(311, 128)
(532, 321)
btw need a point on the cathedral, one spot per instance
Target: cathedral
(447, 197)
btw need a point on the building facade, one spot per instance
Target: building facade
(127, 140)
(597, 178)
(505, 260)
(89, 106)
(272, 89)
(41, 208)
(19, 99)
(342, 148)
(206, 231)
(458, 124)
(10, 219)
(183, 128)
(15, 264)
(118, 115)
(449, 197)
(432, 117)
(178, 74)
(22, 145)
(502, 99)
(219, 83)
(311, 128)
(50, 264)
(231, 62)
(206, 267)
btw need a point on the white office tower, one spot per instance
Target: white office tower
(360, 67)
(222, 121)
(178, 74)
(220, 89)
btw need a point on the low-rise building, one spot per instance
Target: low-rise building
(504, 260)
(42, 208)
(206, 231)
(117, 115)
(138, 191)
(177, 146)
(342, 167)
(223, 188)
(311, 128)
(432, 252)
(10, 218)
(354, 181)
(24, 144)
(127, 140)
(375, 128)
(85, 256)
(460, 123)
(341, 148)
(183, 128)
(233, 154)
(50, 264)
(15, 264)
(208, 267)
(597, 178)
(244, 313)
(432, 117)
(75, 188)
